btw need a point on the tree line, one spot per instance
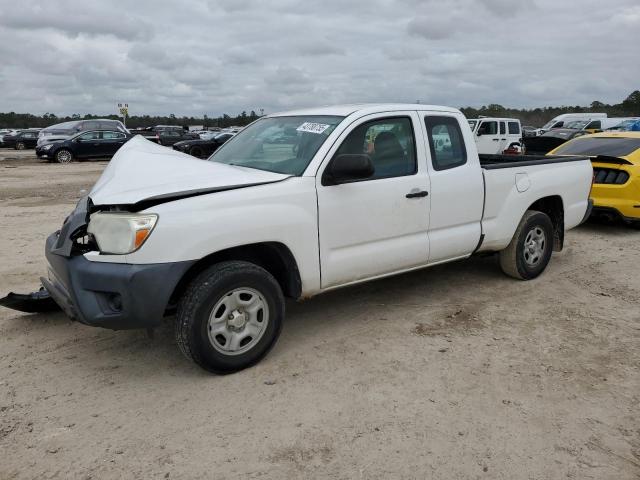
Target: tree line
(28, 120)
(630, 106)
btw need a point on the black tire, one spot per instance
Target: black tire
(64, 156)
(20, 146)
(196, 152)
(635, 224)
(516, 260)
(197, 304)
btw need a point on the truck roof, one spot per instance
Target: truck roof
(364, 108)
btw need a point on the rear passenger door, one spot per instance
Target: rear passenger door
(457, 187)
(111, 142)
(378, 225)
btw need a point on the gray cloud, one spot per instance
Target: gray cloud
(210, 57)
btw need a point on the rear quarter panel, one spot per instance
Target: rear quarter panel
(505, 204)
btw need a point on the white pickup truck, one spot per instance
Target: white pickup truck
(296, 204)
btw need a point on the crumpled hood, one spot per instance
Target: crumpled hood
(142, 170)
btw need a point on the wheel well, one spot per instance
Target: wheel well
(274, 257)
(554, 208)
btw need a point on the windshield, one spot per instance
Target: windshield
(578, 124)
(611, 147)
(278, 144)
(472, 124)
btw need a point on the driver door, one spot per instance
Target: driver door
(487, 137)
(88, 145)
(377, 225)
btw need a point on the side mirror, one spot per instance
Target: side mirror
(347, 168)
(479, 134)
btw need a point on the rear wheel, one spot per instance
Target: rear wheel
(229, 317)
(20, 146)
(530, 249)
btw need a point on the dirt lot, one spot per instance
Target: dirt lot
(456, 372)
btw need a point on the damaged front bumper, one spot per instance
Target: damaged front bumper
(110, 295)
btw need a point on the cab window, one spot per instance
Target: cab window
(112, 135)
(389, 142)
(503, 128)
(445, 142)
(488, 128)
(90, 136)
(595, 125)
(514, 128)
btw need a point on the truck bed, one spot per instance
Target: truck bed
(491, 162)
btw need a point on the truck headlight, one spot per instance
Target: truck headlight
(121, 233)
(48, 147)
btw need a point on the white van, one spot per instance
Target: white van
(561, 120)
(495, 135)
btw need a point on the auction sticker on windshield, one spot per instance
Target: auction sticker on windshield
(312, 127)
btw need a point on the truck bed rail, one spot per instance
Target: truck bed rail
(492, 162)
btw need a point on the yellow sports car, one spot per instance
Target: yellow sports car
(616, 172)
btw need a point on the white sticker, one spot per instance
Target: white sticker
(312, 127)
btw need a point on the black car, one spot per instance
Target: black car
(164, 134)
(93, 144)
(202, 148)
(546, 142)
(172, 136)
(23, 139)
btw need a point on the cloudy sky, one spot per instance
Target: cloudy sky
(209, 57)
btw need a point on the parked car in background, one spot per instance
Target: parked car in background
(561, 120)
(165, 134)
(202, 148)
(631, 125)
(546, 142)
(597, 125)
(84, 145)
(65, 130)
(495, 135)
(7, 131)
(226, 240)
(170, 136)
(615, 157)
(528, 131)
(209, 134)
(27, 138)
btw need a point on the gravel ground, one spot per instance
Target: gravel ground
(455, 372)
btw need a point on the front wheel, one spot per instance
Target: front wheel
(196, 152)
(64, 156)
(229, 317)
(530, 249)
(20, 146)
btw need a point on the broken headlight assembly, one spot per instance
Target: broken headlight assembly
(121, 233)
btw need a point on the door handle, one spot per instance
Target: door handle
(496, 139)
(420, 194)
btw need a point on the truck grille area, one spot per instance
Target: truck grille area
(610, 176)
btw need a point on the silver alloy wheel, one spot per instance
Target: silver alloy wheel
(534, 246)
(238, 321)
(63, 156)
(19, 146)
